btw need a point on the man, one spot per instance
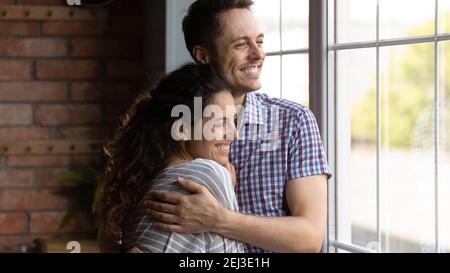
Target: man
(282, 191)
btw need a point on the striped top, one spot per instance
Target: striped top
(142, 234)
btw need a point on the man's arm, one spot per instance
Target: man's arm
(301, 232)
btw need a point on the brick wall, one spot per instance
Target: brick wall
(65, 79)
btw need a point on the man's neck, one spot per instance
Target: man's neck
(239, 99)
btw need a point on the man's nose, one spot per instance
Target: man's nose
(256, 52)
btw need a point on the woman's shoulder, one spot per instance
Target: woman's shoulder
(209, 168)
(199, 168)
(207, 163)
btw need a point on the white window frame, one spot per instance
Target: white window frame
(323, 105)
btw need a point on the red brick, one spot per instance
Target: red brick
(33, 47)
(68, 69)
(124, 69)
(6, 2)
(31, 200)
(15, 70)
(48, 178)
(111, 91)
(43, 2)
(84, 132)
(16, 114)
(91, 47)
(88, 159)
(38, 161)
(16, 179)
(18, 28)
(113, 112)
(68, 114)
(128, 25)
(12, 223)
(48, 222)
(25, 133)
(19, 243)
(74, 28)
(33, 91)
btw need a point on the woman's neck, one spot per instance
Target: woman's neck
(178, 158)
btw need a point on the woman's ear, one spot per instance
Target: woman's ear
(201, 55)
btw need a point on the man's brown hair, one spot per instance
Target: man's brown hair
(201, 25)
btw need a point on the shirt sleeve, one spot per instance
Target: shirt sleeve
(306, 152)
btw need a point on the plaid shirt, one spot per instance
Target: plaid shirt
(278, 141)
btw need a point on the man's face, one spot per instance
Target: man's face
(240, 56)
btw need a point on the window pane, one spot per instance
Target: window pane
(444, 16)
(356, 20)
(356, 147)
(295, 24)
(267, 12)
(403, 18)
(444, 150)
(331, 30)
(407, 152)
(295, 78)
(270, 76)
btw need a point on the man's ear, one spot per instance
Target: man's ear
(201, 55)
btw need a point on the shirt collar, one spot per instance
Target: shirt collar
(253, 110)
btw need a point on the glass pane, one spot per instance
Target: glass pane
(356, 20)
(403, 18)
(295, 24)
(270, 76)
(407, 171)
(267, 12)
(356, 147)
(444, 149)
(444, 16)
(296, 78)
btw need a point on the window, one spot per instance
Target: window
(388, 67)
(285, 25)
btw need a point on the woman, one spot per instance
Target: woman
(152, 149)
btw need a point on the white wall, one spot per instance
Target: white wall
(176, 52)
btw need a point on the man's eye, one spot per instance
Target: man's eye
(260, 43)
(241, 45)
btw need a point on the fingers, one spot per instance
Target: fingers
(163, 217)
(161, 207)
(170, 228)
(190, 186)
(167, 197)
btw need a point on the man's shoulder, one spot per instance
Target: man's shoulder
(293, 109)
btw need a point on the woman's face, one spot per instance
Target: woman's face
(219, 129)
